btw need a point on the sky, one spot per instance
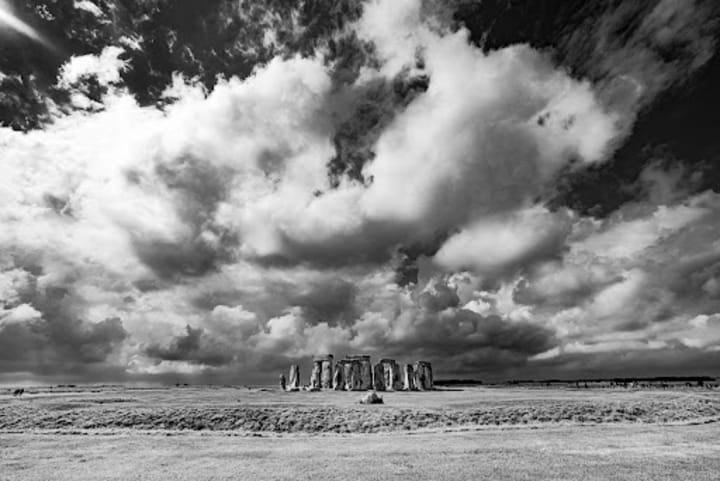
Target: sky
(211, 191)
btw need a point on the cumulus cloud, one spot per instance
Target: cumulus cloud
(218, 236)
(506, 243)
(642, 280)
(44, 328)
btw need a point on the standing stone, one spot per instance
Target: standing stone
(326, 376)
(294, 376)
(365, 374)
(338, 383)
(355, 383)
(351, 374)
(409, 384)
(379, 377)
(391, 374)
(347, 375)
(397, 381)
(315, 375)
(387, 373)
(423, 376)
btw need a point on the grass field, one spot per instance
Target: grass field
(470, 433)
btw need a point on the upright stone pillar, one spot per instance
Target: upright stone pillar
(294, 378)
(409, 384)
(347, 375)
(326, 376)
(387, 374)
(355, 381)
(366, 371)
(315, 375)
(423, 376)
(395, 375)
(390, 372)
(338, 381)
(379, 377)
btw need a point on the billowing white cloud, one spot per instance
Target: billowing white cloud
(208, 235)
(106, 67)
(641, 280)
(505, 242)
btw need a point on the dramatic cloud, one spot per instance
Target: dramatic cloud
(385, 191)
(42, 327)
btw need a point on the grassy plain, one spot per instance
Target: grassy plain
(470, 433)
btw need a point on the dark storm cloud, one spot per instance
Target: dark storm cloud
(196, 188)
(328, 300)
(327, 297)
(383, 192)
(673, 360)
(362, 112)
(169, 260)
(195, 347)
(456, 339)
(44, 331)
(462, 341)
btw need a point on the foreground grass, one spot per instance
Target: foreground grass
(274, 412)
(606, 452)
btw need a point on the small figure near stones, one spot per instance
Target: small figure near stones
(282, 381)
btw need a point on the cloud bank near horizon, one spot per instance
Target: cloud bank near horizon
(266, 220)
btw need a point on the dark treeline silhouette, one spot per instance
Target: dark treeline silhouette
(687, 380)
(458, 382)
(618, 380)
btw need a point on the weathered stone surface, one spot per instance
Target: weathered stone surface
(371, 398)
(355, 383)
(391, 371)
(397, 379)
(357, 376)
(379, 377)
(326, 375)
(338, 382)
(387, 373)
(315, 375)
(356, 373)
(365, 371)
(409, 384)
(347, 374)
(294, 377)
(423, 376)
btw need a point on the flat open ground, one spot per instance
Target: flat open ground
(470, 433)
